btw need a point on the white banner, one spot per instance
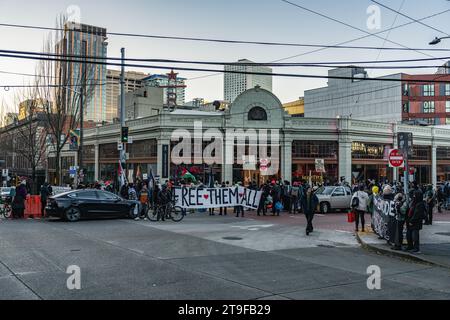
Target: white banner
(196, 198)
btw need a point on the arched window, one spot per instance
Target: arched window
(257, 114)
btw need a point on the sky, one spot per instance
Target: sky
(253, 20)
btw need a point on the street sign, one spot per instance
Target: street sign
(145, 176)
(119, 146)
(396, 159)
(405, 143)
(320, 165)
(5, 173)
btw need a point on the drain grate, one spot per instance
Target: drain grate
(232, 238)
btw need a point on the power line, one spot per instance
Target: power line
(331, 64)
(266, 43)
(231, 71)
(376, 34)
(347, 25)
(345, 42)
(410, 18)
(393, 24)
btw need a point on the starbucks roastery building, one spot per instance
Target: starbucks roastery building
(354, 149)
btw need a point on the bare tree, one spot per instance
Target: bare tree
(25, 138)
(62, 81)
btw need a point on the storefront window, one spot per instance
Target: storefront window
(109, 151)
(315, 149)
(143, 149)
(89, 153)
(443, 153)
(421, 153)
(369, 151)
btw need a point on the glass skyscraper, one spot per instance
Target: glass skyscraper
(76, 36)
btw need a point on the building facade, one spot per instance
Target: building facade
(133, 82)
(413, 99)
(354, 149)
(162, 81)
(80, 38)
(237, 83)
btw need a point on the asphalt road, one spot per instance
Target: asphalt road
(201, 258)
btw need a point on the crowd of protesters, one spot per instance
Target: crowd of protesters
(412, 211)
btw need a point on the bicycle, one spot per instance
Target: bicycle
(5, 209)
(167, 211)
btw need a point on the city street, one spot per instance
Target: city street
(205, 258)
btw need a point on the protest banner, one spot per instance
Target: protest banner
(383, 216)
(205, 198)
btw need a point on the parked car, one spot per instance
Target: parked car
(5, 193)
(331, 198)
(75, 205)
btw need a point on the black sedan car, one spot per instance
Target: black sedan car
(75, 205)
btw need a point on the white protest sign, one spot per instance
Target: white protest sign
(197, 198)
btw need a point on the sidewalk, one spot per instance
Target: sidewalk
(435, 245)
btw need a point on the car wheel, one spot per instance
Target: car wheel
(73, 214)
(134, 212)
(325, 208)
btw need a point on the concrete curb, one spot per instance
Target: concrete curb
(398, 254)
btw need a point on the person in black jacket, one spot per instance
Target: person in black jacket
(414, 221)
(309, 205)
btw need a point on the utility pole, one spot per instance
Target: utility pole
(82, 100)
(122, 110)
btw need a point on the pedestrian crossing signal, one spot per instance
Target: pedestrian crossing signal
(125, 135)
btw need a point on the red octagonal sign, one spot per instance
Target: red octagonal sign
(396, 159)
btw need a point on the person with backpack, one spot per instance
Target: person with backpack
(414, 221)
(295, 192)
(359, 205)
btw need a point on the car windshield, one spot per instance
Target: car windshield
(326, 191)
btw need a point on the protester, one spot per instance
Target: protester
(18, 204)
(401, 208)
(359, 205)
(309, 205)
(430, 202)
(414, 221)
(44, 193)
(223, 210)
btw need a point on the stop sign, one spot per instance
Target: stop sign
(396, 159)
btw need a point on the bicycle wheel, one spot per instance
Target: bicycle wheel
(8, 212)
(152, 214)
(177, 214)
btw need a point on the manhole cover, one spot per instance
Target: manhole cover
(232, 238)
(444, 234)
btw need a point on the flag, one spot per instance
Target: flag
(121, 175)
(151, 180)
(185, 174)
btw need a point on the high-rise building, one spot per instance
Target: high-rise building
(133, 82)
(445, 69)
(77, 40)
(237, 83)
(411, 99)
(163, 81)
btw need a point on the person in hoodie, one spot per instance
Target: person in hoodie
(414, 222)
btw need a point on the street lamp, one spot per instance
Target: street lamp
(438, 40)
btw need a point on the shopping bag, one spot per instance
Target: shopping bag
(351, 217)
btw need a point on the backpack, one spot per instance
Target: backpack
(355, 202)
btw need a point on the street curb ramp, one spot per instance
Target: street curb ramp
(397, 254)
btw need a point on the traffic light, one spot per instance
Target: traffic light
(125, 134)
